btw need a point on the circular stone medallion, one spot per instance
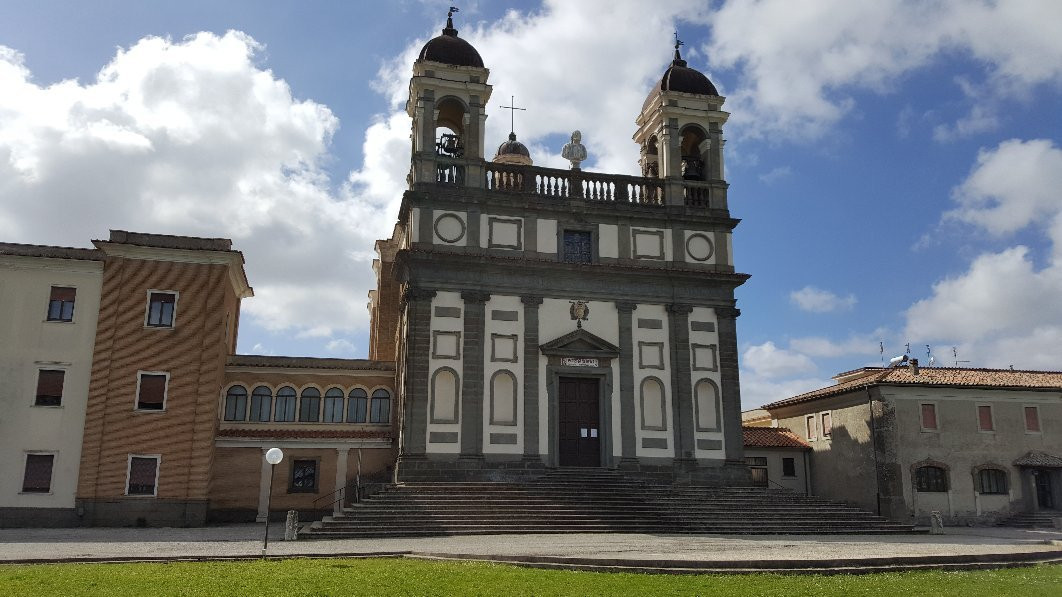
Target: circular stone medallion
(450, 228)
(699, 247)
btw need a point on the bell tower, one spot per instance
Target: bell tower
(680, 134)
(448, 94)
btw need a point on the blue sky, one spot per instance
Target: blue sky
(896, 165)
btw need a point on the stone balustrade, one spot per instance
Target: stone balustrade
(571, 184)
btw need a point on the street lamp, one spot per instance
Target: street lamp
(273, 456)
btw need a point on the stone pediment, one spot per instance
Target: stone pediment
(580, 343)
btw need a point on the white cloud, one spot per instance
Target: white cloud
(1003, 309)
(851, 347)
(757, 390)
(768, 361)
(817, 300)
(1012, 186)
(776, 174)
(193, 137)
(802, 60)
(341, 347)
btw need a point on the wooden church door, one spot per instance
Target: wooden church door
(579, 435)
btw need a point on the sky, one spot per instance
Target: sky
(897, 166)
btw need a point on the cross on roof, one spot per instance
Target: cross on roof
(678, 42)
(512, 113)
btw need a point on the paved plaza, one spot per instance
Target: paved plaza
(634, 551)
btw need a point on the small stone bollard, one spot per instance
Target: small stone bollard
(291, 526)
(936, 523)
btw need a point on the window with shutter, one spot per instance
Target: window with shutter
(49, 387)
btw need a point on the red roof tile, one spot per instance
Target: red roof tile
(771, 437)
(936, 376)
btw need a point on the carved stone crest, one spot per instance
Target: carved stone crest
(580, 312)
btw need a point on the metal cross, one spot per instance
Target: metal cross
(512, 113)
(678, 42)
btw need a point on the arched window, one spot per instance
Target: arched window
(932, 479)
(236, 404)
(310, 406)
(380, 407)
(357, 406)
(653, 417)
(991, 480)
(261, 401)
(285, 410)
(333, 406)
(693, 166)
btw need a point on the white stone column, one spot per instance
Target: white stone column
(263, 488)
(341, 476)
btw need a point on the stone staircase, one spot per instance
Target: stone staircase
(591, 501)
(1032, 520)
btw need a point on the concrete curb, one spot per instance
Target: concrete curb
(831, 566)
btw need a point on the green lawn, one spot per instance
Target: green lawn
(289, 578)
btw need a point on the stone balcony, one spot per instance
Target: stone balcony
(568, 184)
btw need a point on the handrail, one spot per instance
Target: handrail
(341, 491)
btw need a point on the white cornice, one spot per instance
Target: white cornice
(330, 443)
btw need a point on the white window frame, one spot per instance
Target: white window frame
(51, 480)
(813, 428)
(936, 414)
(822, 424)
(147, 309)
(1025, 423)
(129, 468)
(165, 392)
(992, 415)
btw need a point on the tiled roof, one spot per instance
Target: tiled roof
(253, 360)
(771, 437)
(306, 433)
(1035, 458)
(50, 252)
(936, 376)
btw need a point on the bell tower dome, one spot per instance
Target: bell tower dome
(447, 98)
(680, 129)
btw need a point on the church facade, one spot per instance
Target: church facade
(553, 318)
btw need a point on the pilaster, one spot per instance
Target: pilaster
(417, 349)
(730, 389)
(472, 384)
(531, 370)
(681, 385)
(628, 447)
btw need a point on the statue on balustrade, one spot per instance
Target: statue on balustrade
(574, 151)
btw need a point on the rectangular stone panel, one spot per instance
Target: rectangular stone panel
(654, 442)
(503, 439)
(504, 233)
(503, 348)
(442, 437)
(451, 312)
(650, 324)
(704, 357)
(445, 345)
(709, 444)
(702, 326)
(650, 355)
(497, 315)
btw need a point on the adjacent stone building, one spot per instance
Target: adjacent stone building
(976, 445)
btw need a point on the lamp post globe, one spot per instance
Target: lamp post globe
(274, 455)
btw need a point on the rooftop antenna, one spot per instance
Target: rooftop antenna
(907, 348)
(881, 351)
(512, 114)
(955, 353)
